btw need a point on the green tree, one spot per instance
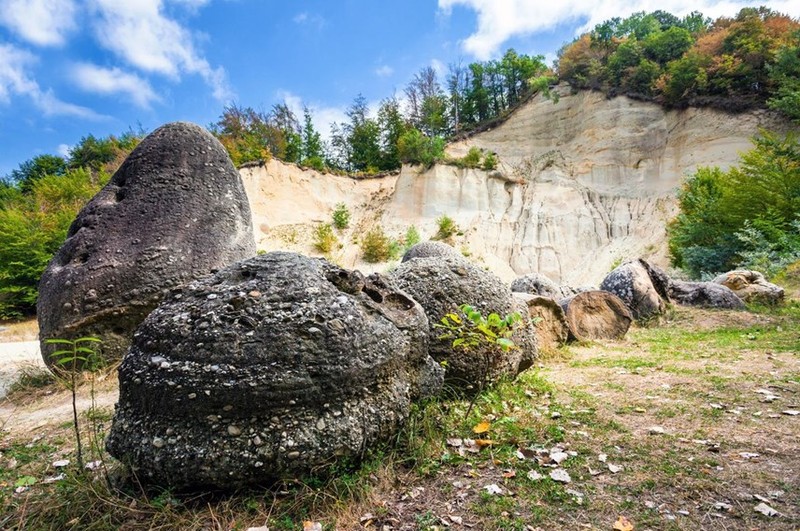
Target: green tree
(669, 45)
(784, 74)
(312, 151)
(36, 168)
(392, 126)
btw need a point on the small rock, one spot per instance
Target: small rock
(791, 412)
(614, 469)
(234, 431)
(722, 506)
(61, 463)
(493, 489)
(559, 457)
(533, 475)
(656, 430)
(748, 455)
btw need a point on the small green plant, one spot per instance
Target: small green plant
(74, 356)
(341, 216)
(489, 162)
(411, 238)
(324, 238)
(490, 335)
(376, 246)
(447, 228)
(472, 159)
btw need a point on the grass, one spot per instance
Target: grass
(591, 401)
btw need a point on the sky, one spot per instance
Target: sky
(69, 68)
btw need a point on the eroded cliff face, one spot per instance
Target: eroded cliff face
(581, 184)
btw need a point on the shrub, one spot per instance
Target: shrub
(472, 159)
(341, 216)
(489, 162)
(414, 147)
(411, 238)
(447, 228)
(376, 246)
(324, 238)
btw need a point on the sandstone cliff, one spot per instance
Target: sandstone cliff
(581, 184)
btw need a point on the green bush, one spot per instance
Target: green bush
(414, 147)
(489, 162)
(324, 238)
(341, 216)
(746, 215)
(472, 159)
(376, 246)
(411, 238)
(447, 228)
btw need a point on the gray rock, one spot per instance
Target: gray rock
(536, 284)
(293, 364)
(441, 285)
(430, 249)
(751, 286)
(175, 210)
(704, 294)
(642, 287)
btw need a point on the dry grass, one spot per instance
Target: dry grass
(19, 331)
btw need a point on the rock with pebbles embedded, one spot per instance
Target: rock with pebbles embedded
(536, 284)
(441, 285)
(641, 286)
(175, 210)
(704, 295)
(751, 286)
(272, 368)
(430, 249)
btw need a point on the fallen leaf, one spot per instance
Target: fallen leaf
(454, 442)
(524, 453)
(262, 528)
(623, 524)
(493, 489)
(593, 472)
(61, 463)
(483, 442)
(312, 526)
(602, 458)
(614, 469)
(560, 475)
(722, 506)
(765, 509)
(510, 474)
(748, 455)
(456, 519)
(481, 427)
(534, 475)
(559, 457)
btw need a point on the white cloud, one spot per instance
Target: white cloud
(384, 71)
(438, 66)
(309, 19)
(499, 20)
(64, 150)
(16, 81)
(41, 22)
(93, 78)
(140, 33)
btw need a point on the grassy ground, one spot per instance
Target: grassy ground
(679, 426)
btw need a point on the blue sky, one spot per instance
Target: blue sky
(73, 67)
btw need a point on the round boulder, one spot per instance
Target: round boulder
(430, 249)
(642, 287)
(704, 294)
(441, 285)
(273, 367)
(175, 210)
(751, 286)
(536, 284)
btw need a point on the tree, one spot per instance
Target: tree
(762, 193)
(33, 169)
(312, 152)
(669, 45)
(392, 126)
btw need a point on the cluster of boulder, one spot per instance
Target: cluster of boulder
(240, 369)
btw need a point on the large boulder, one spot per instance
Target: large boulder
(642, 287)
(704, 294)
(751, 286)
(547, 319)
(430, 249)
(592, 315)
(441, 285)
(272, 368)
(175, 210)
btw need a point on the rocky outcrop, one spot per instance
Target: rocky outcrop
(441, 285)
(273, 367)
(175, 210)
(642, 287)
(751, 286)
(704, 294)
(581, 183)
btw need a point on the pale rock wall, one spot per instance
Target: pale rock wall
(582, 184)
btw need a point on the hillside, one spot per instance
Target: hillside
(581, 184)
